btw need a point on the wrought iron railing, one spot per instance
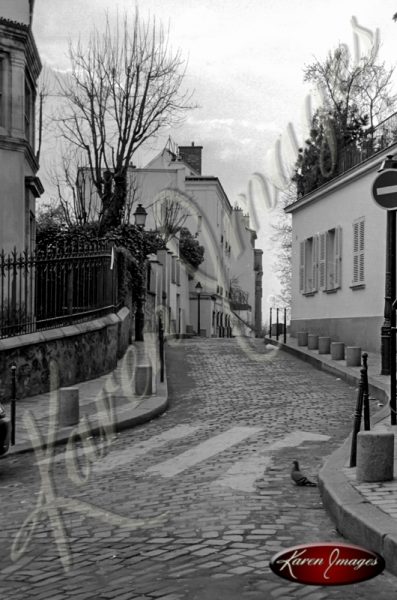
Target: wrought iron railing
(50, 289)
(376, 139)
(238, 298)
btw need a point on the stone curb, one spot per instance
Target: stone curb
(332, 367)
(355, 517)
(150, 408)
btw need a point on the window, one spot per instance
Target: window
(4, 76)
(320, 262)
(29, 112)
(308, 265)
(173, 270)
(358, 252)
(330, 258)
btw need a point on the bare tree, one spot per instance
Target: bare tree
(45, 90)
(169, 217)
(125, 85)
(374, 92)
(346, 88)
(73, 188)
(282, 244)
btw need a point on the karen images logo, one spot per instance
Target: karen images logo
(327, 564)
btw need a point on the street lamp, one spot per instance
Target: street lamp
(140, 215)
(198, 289)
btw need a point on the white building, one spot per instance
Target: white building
(338, 258)
(173, 180)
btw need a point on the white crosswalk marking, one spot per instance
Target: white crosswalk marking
(203, 451)
(243, 474)
(116, 459)
(121, 457)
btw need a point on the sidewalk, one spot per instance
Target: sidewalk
(365, 513)
(108, 402)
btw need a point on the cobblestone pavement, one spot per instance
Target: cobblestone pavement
(193, 504)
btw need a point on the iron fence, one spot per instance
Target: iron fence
(376, 139)
(379, 138)
(43, 290)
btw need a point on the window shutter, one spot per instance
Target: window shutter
(302, 276)
(361, 251)
(322, 260)
(358, 251)
(315, 264)
(338, 257)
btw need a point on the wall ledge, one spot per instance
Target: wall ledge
(41, 337)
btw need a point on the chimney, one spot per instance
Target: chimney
(192, 156)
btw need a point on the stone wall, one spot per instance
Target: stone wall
(83, 351)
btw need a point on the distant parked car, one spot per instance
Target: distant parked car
(4, 431)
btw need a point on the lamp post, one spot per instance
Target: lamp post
(140, 215)
(198, 289)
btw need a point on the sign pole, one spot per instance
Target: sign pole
(384, 192)
(392, 255)
(386, 331)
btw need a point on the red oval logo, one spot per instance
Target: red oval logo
(327, 564)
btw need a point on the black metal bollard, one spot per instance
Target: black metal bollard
(277, 327)
(161, 349)
(357, 420)
(270, 329)
(13, 402)
(285, 325)
(367, 424)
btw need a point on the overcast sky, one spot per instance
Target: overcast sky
(245, 62)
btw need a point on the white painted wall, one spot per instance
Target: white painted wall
(349, 200)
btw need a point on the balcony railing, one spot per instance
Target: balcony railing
(239, 299)
(376, 140)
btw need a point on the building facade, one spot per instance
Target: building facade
(338, 258)
(20, 67)
(174, 192)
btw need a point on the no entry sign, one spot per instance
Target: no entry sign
(384, 189)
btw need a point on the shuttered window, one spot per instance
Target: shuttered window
(308, 265)
(320, 262)
(359, 251)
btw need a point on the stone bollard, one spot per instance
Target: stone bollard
(337, 350)
(312, 341)
(375, 456)
(324, 344)
(69, 411)
(143, 380)
(302, 338)
(353, 356)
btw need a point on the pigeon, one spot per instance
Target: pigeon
(299, 478)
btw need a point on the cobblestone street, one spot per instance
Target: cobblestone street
(191, 505)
